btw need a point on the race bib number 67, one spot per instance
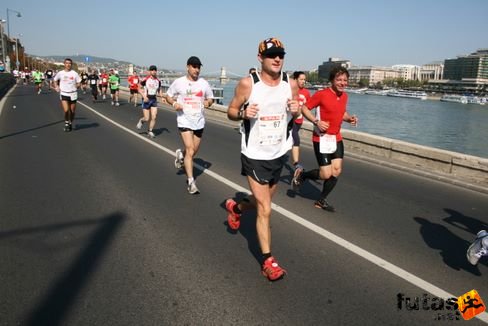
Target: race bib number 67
(271, 129)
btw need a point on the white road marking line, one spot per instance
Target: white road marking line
(395, 270)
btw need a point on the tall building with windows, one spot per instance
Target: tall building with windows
(373, 75)
(408, 72)
(465, 74)
(473, 66)
(326, 67)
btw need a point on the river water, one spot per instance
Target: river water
(455, 127)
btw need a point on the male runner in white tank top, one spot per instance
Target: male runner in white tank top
(267, 103)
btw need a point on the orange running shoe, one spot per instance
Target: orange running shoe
(233, 219)
(272, 270)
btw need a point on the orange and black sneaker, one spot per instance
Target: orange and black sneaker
(272, 270)
(324, 204)
(233, 219)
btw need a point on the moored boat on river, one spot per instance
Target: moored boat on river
(454, 98)
(408, 94)
(476, 100)
(356, 90)
(381, 92)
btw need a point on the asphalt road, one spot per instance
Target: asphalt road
(97, 228)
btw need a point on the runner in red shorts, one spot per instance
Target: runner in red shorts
(103, 84)
(133, 81)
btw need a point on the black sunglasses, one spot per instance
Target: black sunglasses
(272, 56)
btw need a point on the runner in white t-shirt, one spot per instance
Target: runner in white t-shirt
(67, 82)
(190, 95)
(150, 88)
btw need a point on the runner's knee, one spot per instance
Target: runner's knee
(189, 151)
(264, 211)
(325, 174)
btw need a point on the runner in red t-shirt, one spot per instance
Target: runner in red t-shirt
(327, 139)
(103, 84)
(303, 97)
(133, 87)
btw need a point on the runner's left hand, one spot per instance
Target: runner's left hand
(293, 106)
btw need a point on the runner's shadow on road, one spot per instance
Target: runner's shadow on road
(160, 131)
(65, 288)
(32, 129)
(451, 248)
(308, 190)
(247, 228)
(466, 223)
(203, 164)
(86, 125)
(157, 132)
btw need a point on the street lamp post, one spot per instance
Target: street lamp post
(17, 52)
(2, 21)
(8, 21)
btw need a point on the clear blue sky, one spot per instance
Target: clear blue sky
(227, 33)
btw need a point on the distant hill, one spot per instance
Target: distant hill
(97, 61)
(81, 58)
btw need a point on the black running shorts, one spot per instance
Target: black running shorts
(263, 171)
(198, 132)
(67, 98)
(326, 159)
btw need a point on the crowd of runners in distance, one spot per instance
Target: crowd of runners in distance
(271, 107)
